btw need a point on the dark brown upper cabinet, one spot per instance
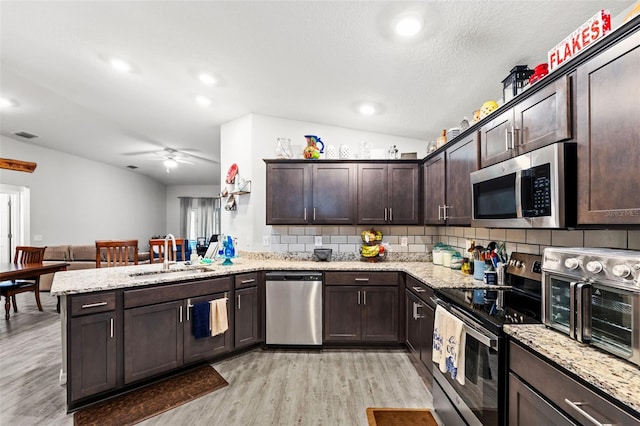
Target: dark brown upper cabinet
(447, 187)
(538, 120)
(304, 193)
(608, 136)
(388, 193)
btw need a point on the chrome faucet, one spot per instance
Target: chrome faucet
(165, 264)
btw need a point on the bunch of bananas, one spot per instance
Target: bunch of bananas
(370, 251)
(371, 236)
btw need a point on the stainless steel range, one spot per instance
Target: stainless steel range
(593, 295)
(482, 400)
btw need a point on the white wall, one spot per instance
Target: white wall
(173, 203)
(77, 201)
(250, 139)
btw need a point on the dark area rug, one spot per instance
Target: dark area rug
(151, 400)
(400, 417)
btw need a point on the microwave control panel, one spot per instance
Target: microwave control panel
(536, 191)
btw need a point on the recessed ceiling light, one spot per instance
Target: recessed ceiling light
(367, 109)
(7, 103)
(207, 79)
(120, 65)
(203, 101)
(408, 25)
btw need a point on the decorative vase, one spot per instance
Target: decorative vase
(344, 151)
(332, 152)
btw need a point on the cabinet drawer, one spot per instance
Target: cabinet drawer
(167, 293)
(93, 303)
(361, 278)
(246, 280)
(560, 388)
(420, 289)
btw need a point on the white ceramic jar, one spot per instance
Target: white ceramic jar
(332, 152)
(345, 151)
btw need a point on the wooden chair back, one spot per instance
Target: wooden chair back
(116, 253)
(157, 246)
(26, 254)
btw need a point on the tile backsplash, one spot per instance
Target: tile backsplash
(421, 239)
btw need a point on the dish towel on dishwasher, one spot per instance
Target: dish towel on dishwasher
(218, 321)
(201, 320)
(449, 338)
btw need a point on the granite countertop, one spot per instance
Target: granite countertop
(612, 375)
(90, 280)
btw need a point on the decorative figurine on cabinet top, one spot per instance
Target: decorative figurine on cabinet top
(312, 151)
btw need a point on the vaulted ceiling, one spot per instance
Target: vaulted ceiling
(302, 60)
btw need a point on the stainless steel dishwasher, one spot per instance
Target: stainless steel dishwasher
(294, 308)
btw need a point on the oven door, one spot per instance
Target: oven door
(477, 400)
(613, 313)
(567, 305)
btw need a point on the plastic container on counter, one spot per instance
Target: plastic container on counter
(447, 254)
(437, 253)
(456, 261)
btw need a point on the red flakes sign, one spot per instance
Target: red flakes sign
(588, 33)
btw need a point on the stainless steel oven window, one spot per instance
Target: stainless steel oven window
(612, 320)
(557, 303)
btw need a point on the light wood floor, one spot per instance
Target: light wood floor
(266, 387)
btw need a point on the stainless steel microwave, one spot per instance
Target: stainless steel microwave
(532, 190)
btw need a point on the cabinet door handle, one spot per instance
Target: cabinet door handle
(238, 297)
(509, 141)
(314, 213)
(439, 214)
(416, 306)
(189, 305)
(111, 327)
(180, 313)
(385, 214)
(305, 214)
(252, 280)
(444, 210)
(390, 214)
(577, 406)
(364, 297)
(358, 297)
(93, 305)
(418, 289)
(362, 279)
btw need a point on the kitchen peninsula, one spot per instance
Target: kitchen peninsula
(115, 298)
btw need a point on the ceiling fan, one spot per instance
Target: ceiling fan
(171, 157)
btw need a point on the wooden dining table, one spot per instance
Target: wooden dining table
(29, 271)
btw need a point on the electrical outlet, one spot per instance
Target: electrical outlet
(318, 240)
(266, 240)
(404, 241)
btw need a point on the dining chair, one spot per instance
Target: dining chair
(156, 247)
(9, 289)
(110, 253)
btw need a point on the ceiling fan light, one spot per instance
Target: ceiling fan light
(203, 101)
(120, 65)
(170, 163)
(206, 78)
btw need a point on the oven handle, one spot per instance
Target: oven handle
(471, 326)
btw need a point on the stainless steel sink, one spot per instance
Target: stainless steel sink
(172, 272)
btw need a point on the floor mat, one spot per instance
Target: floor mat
(141, 404)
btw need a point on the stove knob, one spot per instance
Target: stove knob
(571, 263)
(594, 267)
(636, 266)
(519, 264)
(622, 271)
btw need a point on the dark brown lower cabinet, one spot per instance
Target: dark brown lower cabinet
(92, 358)
(553, 394)
(153, 340)
(527, 408)
(206, 347)
(246, 317)
(419, 317)
(361, 313)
